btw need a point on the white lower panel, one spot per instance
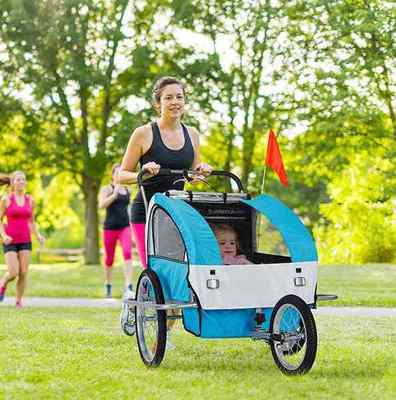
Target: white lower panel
(251, 286)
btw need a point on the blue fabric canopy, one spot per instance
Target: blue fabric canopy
(296, 236)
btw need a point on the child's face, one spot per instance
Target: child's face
(228, 243)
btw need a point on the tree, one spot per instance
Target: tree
(346, 66)
(344, 74)
(360, 225)
(73, 58)
(243, 60)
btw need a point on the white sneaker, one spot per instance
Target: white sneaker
(127, 320)
(128, 294)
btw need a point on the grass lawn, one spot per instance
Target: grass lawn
(70, 280)
(81, 354)
(363, 285)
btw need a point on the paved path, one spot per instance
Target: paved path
(69, 302)
(116, 303)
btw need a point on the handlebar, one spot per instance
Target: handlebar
(186, 174)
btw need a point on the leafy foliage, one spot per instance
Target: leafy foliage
(65, 54)
(359, 224)
(77, 75)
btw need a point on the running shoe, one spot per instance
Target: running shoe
(129, 294)
(127, 320)
(18, 304)
(127, 317)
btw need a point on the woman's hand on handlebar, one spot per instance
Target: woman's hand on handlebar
(197, 179)
(151, 167)
(204, 169)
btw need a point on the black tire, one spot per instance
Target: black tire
(150, 322)
(294, 338)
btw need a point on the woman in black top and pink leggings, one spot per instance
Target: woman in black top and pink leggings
(166, 143)
(115, 199)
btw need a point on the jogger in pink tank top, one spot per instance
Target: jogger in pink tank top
(18, 210)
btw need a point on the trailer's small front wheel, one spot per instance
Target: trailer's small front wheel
(150, 322)
(294, 338)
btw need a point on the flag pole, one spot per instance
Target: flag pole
(263, 180)
(260, 216)
(262, 192)
(265, 167)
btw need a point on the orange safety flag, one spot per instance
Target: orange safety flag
(274, 158)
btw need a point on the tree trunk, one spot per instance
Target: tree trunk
(247, 149)
(229, 147)
(227, 163)
(91, 189)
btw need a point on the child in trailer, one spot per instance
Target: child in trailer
(229, 245)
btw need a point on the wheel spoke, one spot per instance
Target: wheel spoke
(148, 321)
(289, 324)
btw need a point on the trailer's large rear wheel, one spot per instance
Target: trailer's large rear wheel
(150, 322)
(294, 338)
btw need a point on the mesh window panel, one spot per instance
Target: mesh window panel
(269, 239)
(166, 237)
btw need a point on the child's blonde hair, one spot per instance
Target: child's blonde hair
(223, 228)
(226, 228)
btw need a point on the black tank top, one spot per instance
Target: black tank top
(117, 212)
(166, 158)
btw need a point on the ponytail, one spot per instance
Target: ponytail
(5, 179)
